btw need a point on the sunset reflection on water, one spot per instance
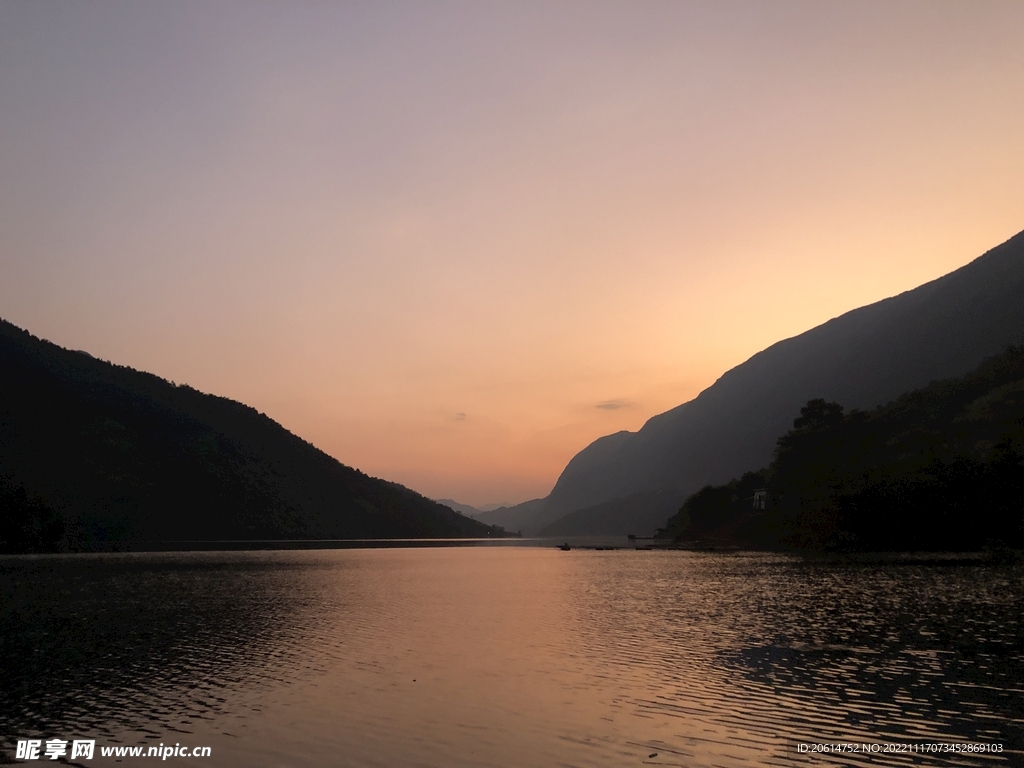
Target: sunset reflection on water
(511, 656)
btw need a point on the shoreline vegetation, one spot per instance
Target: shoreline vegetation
(260, 545)
(940, 469)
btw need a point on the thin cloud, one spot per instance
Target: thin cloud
(614, 405)
(459, 416)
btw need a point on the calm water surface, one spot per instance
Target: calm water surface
(515, 656)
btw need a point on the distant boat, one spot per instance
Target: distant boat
(565, 547)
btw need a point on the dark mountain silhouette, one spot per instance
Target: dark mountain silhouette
(527, 517)
(641, 514)
(862, 359)
(93, 453)
(463, 509)
(940, 468)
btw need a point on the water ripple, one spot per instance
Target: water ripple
(512, 656)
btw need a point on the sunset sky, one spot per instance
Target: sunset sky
(452, 243)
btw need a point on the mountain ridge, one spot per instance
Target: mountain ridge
(862, 358)
(940, 468)
(123, 455)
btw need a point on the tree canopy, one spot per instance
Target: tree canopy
(940, 468)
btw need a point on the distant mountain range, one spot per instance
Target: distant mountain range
(861, 359)
(462, 509)
(468, 510)
(94, 454)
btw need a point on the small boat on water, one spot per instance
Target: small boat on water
(565, 547)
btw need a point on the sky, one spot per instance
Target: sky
(452, 243)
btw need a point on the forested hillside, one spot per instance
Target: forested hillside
(862, 359)
(93, 453)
